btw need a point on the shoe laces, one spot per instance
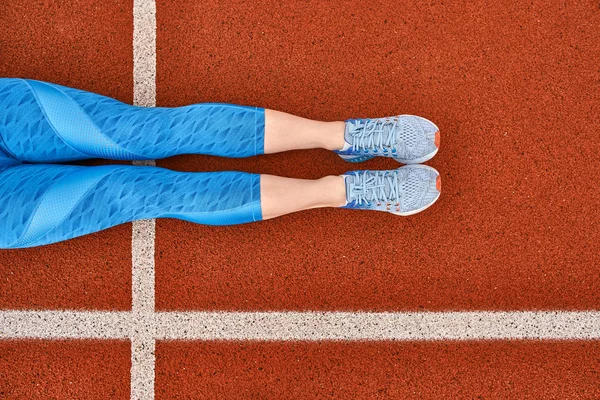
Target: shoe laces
(379, 187)
(374, 134)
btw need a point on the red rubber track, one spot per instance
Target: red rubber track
(431, 370)
(514, 90)
(64, 369)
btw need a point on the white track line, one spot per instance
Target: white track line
(378, 326)
(303, 326)
(142, 314)
(144, 53)
(142, 244)
(65, 325)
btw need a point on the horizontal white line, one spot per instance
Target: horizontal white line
(379, 326)
(65, 324)
(280, 326)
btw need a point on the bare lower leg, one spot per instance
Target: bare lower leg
(279, 195)
(288, 132)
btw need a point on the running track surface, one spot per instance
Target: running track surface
(514, 88)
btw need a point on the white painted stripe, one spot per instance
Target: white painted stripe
(142, 293)
(144, 53)
(378, 326)
(142, 272)
(301, 326)
(142, 245)
(65, 325)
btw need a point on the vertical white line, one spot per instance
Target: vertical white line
(143, 235)
(143, 327)
(144, 53)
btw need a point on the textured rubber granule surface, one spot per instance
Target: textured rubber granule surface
(64, 369)
(433, 370)
(512, 87)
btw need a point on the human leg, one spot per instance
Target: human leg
(43, 204)
(46, 123)
(43, 122)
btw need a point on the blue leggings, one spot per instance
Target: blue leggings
(43, 123)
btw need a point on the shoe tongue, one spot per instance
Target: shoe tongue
(348, 138)
(348, 178)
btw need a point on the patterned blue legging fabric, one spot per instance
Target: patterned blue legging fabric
(42, 123)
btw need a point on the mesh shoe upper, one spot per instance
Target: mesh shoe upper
(406, 138)
(405, 190)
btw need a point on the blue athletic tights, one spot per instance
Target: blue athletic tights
(44, 123)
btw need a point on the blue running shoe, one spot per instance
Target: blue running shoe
(407, 139)
(403, 191)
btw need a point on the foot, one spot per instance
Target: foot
(403, 191)
(407, 139)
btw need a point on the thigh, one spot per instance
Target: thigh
(45, 123)
(47, 203)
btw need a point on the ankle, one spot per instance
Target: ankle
(332, 137)
(334, 188)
